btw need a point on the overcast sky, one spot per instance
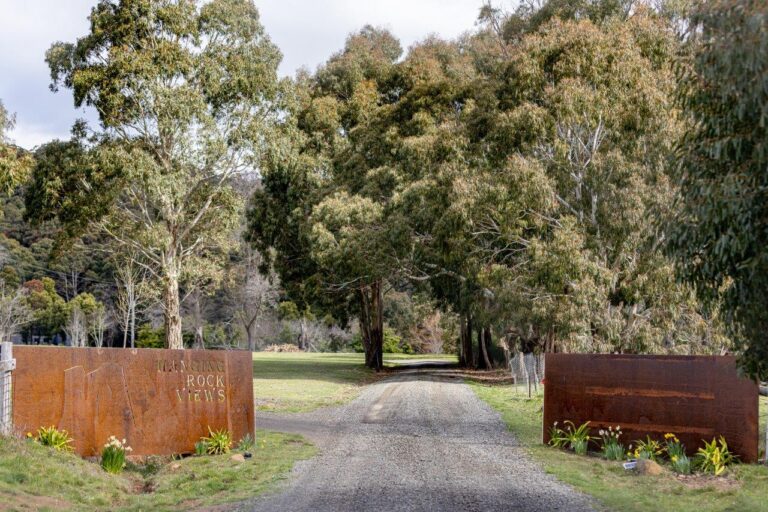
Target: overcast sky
(307, 32)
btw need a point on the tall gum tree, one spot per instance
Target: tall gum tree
(718, 230)
(320, 212)
(186, 93)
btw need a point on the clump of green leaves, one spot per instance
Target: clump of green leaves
(217, 442)
(649, 449)
(573, 438)
(57, 439)
(113, 455)
(714, 458)
(201, 447)
(246, 443)
(676, 452)
(611, 449)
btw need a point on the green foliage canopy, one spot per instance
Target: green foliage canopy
(718, 233)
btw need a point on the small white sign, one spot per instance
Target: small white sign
(631, 464)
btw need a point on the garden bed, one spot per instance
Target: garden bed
(742, 487)
(35, 477)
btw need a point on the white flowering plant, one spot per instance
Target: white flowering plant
(612, 449)
(113, 455)
(573, 438)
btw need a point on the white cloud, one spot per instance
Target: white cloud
(307, 32)
(29, 135)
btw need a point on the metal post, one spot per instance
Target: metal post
(7, 365)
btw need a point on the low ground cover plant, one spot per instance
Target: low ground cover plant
(218, 442)
(714, 457)
(676, 451)
(648, 448)
(612, 449)
(113, 455)
(572, 437)
(246, 443)
(57, 439)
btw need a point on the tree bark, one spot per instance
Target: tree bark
(365, 324)
(486, 342)
(133, 324)
(303, 333)
(372, 325)
(249, 336)
(125, 332)
(199, 336)
(173, 338)
(480, 349)
(462, 340)
(378, 326)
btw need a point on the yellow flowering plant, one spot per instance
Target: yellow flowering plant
(57, 439)
(648, 449)
(676, 451)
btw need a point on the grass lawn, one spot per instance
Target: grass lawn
(34, 477)
(437, 357)
(744, 489)
(300, 382)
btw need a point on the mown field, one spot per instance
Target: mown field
(301, 382)
(745, 488)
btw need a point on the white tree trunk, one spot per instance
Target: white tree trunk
(173, 337)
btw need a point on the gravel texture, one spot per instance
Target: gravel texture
(416, 441)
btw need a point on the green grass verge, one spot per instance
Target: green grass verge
(300, 382)
(745, 489)
(34, 477)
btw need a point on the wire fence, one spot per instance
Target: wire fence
(7, 365)
(527, 372)
(763, 446)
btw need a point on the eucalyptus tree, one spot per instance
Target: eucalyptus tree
(718, 230)
(585, 108)
(320, 215)
(187, 95)
(14, 162)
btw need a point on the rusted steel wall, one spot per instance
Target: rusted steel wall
(694, 397)
(161, 401)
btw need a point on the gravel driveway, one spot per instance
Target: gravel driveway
(416, 441)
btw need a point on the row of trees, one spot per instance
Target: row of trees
(518, 175)
(543, 179)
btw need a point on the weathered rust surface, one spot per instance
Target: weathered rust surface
(695, 397)
(160, 401)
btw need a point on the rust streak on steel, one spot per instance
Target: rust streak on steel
(693, 397)
(161, 401)
(652, 393)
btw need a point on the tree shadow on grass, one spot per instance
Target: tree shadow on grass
(344, 370)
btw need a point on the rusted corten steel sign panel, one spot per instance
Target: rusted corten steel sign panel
(695, 397)
(161, 401)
